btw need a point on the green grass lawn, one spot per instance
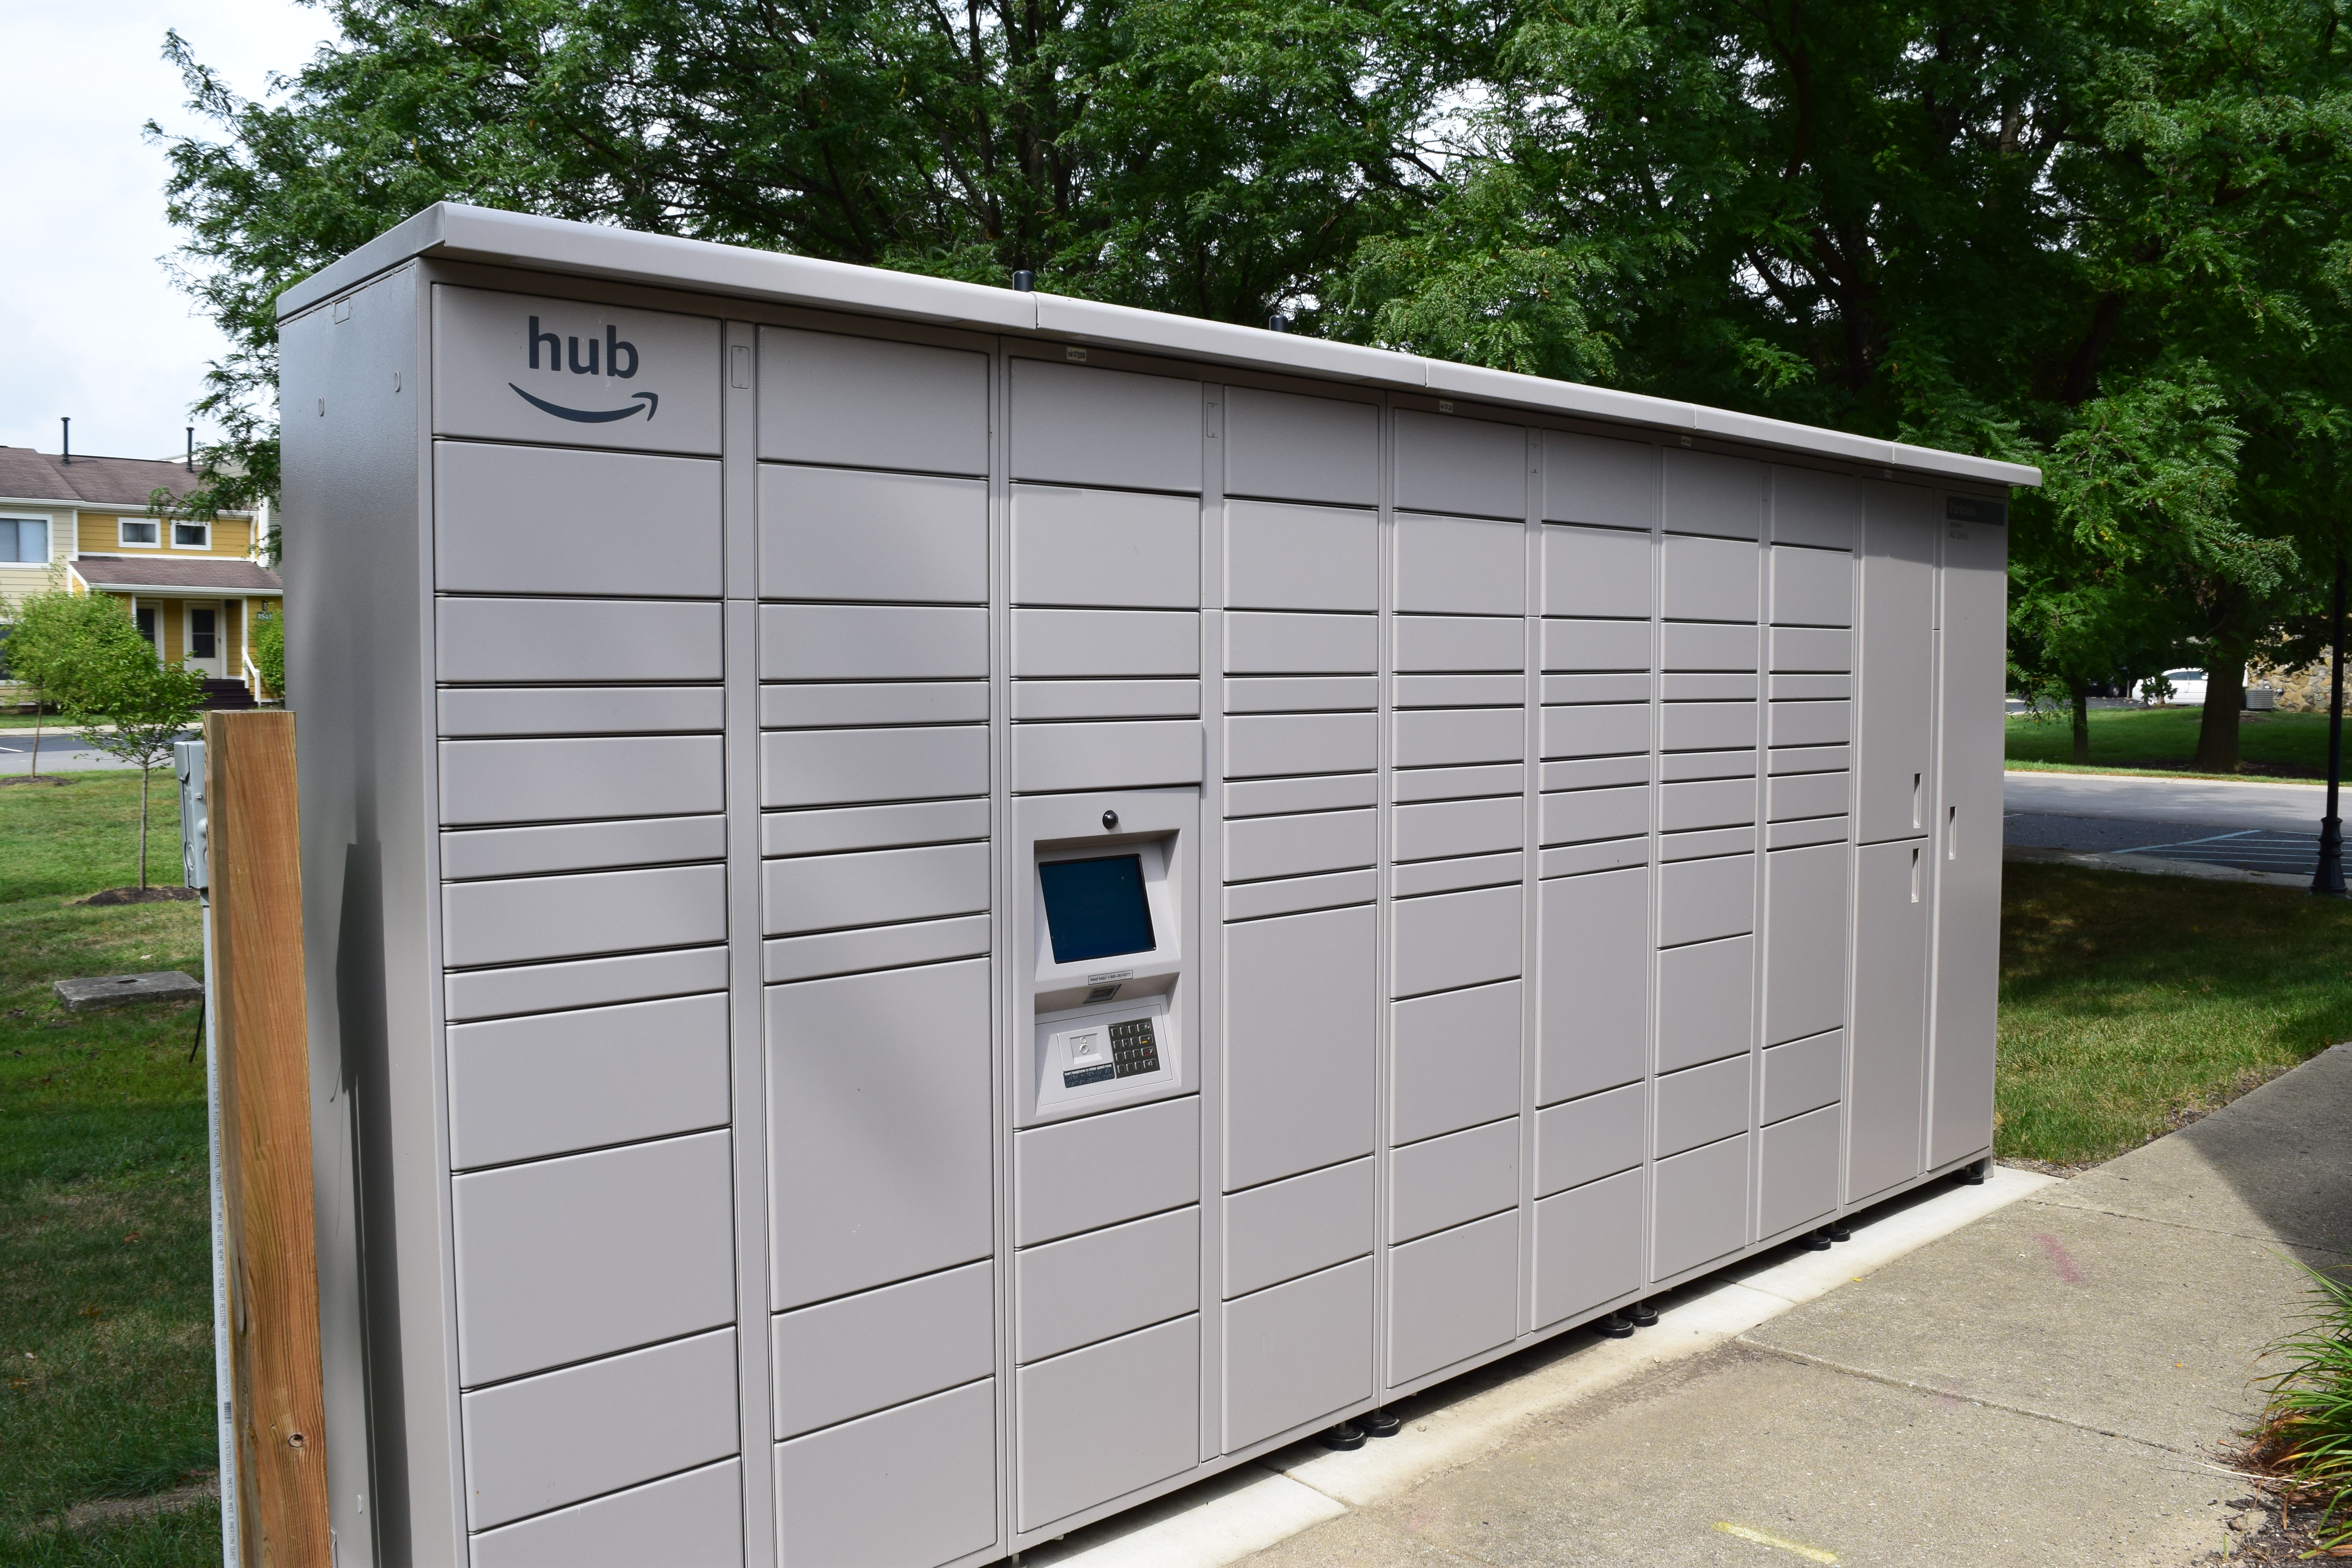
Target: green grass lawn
(2127, 1000)
(2278, 745)
(105, 1276)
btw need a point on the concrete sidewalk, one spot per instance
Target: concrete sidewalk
(2045, 1385)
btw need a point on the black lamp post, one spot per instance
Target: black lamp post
(2328, 879)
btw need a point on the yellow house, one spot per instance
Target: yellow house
(193, 588)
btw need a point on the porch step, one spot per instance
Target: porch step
(227, 694)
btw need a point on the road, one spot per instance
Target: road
(2253, 826)
(61, 751)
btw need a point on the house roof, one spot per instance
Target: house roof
(172, 574)
(124, 483)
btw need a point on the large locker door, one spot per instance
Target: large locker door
(1805, 941)
(1898, 664)
(1892, 885)
(1975, 582)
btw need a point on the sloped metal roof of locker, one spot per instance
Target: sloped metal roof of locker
(456, 231)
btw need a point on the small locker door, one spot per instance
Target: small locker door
(1975, 584)
(1890, 1014)
(1898, 664)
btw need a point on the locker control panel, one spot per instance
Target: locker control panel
(1103, 1052)
(1108, 973)
(1088, 1052)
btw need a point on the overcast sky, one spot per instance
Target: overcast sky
(90, 326)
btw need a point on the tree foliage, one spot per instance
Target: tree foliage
(1218, 158)
(2107, 237)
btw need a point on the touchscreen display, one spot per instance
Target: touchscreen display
(1096, 909)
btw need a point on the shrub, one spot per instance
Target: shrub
(270, 650)
(2306, 1426)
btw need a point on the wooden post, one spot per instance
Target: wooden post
(261, 1031)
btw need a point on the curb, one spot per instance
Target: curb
(2147, 866)
(1254, 1506)
(2150, 775)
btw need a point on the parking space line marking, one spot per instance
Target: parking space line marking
(1810, 1553)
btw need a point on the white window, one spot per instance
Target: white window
(139, 533)
(192, 535)
(25, 541)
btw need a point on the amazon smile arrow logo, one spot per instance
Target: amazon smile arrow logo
(644, 402)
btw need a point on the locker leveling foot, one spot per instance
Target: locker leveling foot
(1346, 1435)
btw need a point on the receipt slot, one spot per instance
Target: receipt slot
(1108, 935)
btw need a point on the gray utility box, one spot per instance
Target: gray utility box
(934, 911)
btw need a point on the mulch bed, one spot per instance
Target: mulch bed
(2279, 1524)
(141, 896)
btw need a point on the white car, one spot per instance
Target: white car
(2187, 688)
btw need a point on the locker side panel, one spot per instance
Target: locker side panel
(358, 641)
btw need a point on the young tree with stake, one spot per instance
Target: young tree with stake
(48, 651)
(120, 682)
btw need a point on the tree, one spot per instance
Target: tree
(51, 649)
(2103, 236)
(1221, 158)
(131, 706)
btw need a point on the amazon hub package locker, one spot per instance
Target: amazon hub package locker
(935, 911)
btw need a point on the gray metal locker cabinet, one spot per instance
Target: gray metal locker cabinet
(718, 667)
